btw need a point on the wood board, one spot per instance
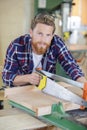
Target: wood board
(34, 99)
(15, 119)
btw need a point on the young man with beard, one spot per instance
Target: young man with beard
(39, 49)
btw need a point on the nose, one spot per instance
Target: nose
(43, 39)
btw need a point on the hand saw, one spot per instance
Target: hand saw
(49, 86)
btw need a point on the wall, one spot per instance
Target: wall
(15, 17)
(80, 9)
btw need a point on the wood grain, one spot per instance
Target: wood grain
(35, 100)
(15, 119)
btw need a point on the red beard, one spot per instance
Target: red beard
(40, 50)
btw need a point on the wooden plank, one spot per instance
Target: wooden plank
(15, 119)
(35, 100)
(8, 116)
(31, 98)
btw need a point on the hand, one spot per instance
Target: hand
(34, 78)
(81, 79)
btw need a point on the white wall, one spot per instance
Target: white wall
(15, 18)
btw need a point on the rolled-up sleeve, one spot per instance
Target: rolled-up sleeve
(10, 66)
(67, 61)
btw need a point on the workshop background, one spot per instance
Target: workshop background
(70, 19)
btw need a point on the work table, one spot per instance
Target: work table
(16, 119)
(31, 98)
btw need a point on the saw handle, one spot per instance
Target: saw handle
(84, 94)
(42, 83)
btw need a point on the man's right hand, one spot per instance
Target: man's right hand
(32, 78)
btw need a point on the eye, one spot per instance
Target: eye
(48, 35)
(39, 33)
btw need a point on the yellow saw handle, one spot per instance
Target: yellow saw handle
(42, 83)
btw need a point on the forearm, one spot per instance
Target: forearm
(70, 65)
(21, 80)
(32, 78)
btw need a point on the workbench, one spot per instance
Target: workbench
(16, 119)
(42, 107)
(30, 98)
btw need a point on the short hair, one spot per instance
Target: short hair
(44, 18)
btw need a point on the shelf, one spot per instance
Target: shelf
(77, 47)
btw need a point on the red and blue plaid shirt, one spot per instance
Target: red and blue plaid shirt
(19, 59)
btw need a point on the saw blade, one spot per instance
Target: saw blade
(54, 89)
(60, 78)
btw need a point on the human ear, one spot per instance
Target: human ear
(30, 32)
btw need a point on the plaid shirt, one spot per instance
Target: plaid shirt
(19, 59)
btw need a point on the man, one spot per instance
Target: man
(39, 49)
